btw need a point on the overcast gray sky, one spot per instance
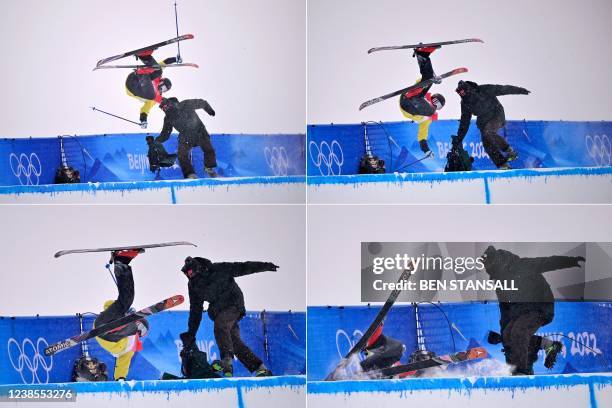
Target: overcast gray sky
(251, 56)
(34, 282)
(558, 49)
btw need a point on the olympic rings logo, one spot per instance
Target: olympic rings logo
(599, 148)
(277, 160)
(328, 158)
(26, 168)
(28, 361)
(342, 335)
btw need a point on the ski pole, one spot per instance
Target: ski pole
(178, 43)
(597, 352)
(427, 156)
(118, 117)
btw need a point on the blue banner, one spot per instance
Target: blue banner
(582, 327)
(280, 343)
(123, 157)
(337, 149)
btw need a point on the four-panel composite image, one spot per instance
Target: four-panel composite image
(306, 203)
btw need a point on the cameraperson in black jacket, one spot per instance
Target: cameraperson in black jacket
(481, 101)
(531, 306)
(182, 116)
(214, 283)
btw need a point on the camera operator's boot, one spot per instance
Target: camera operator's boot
(228, 367)
(551, 354)
(211, 172)
(263, 371)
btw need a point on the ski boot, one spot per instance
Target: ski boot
(505, 166)
(211, 172)
(424, 51)
(425, 147)
(551, 354)
(263, 371)
(227, 367)
(512, 155)
(125, 256)
(522, 371)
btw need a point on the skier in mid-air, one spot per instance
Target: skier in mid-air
(147, 84)
(123, 342)
(214, 283)
(182, 116)
(419, 105)
(381, 351)
(528, 308)
(481, 101)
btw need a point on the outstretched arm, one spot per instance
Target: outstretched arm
(198, 104)
(245, 268)
(196, 308)
(550, 263)
(166, 131)
(499, 90)
(464, 122)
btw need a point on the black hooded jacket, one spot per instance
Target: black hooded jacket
(481, 101)
(182, 116)
(534, 292)
(214, 283)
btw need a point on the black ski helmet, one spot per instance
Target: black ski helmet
(168, 104)
(466, 87)
(195, 266)
(164, 82)
(437, 97)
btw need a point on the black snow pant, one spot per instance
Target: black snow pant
(187, 141)
(418, 105)
(493, 143)
(121, 306)
(520, 345)
(227, 335)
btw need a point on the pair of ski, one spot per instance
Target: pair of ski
(102, 63)
(121, 322)
(423, 84)
(412, 369)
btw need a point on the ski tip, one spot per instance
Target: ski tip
(175, 300)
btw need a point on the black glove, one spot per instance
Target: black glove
(525, 91)
(170, 60)
(272, 267)
(579, 259)
(211, 112)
